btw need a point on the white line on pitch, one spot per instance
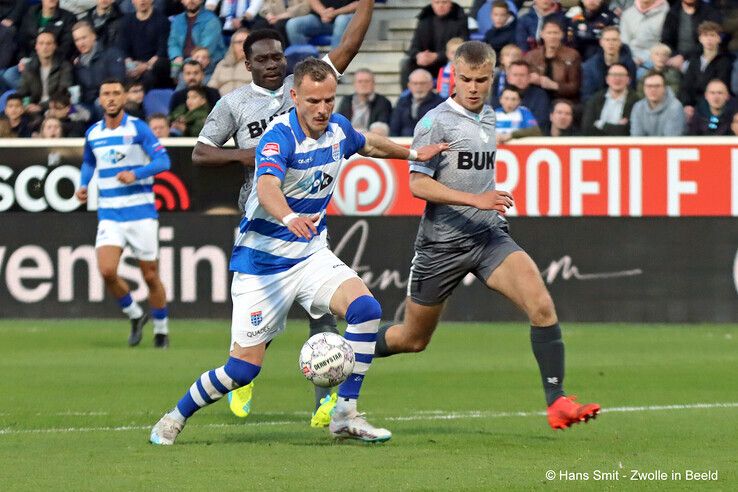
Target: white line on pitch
(430, 415)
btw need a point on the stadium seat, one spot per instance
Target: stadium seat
(321, 40)
(4, 98)
(157, 101)
(297, 52)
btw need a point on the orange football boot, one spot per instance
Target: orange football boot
(565, 411)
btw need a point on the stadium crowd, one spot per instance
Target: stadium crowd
(630, 67)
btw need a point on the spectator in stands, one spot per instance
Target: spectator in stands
(607, 112)
(659, 114)
(711, 64)
(612, 51)
(19, 124)
(201, 55)
(412, 107)
(135, 93)
(437, 23)
(533, 97)
(279, 12)
(446, 80)
(380, 128)
(193, 77)
(514, 120)
(586, 23)
(94, 64)
(508, 54)
(10, 15)
(365, 106)
(47, 73)
(74, 119)
(106, 19)
(195, 26)
(660, 54)
(556, 68)
(5, 131)
(326, 17)
(714, 114)
(77, 7)
(680, 29)
(620, 6)
(231, 72)
(530, 25)
(51, 128)
(143, 41)
(235, 14)
(641, 26)
(562, 119)
(159, 125)
(189, 118)
(503, 27)
(47, 17)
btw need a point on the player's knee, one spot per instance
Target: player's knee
(542, 311)
(362, 309)
(240, 371)
(418, 344)
(150, 275)
(109, 273)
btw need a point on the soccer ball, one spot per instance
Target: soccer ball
(326, 359)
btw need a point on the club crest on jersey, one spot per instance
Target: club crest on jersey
(336, 151)
(270, 149)
(256, 318)
(128, 139)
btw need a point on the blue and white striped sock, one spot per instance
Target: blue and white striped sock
(161, 320)
(130, 307)
(213, 385)
(363, 316)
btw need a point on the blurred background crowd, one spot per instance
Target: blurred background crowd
(592, 68)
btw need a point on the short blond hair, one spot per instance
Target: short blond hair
(660, 48)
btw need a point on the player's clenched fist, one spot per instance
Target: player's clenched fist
(81, 195)
(494, 200)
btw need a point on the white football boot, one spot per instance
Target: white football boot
(166, 430)
(353, 425)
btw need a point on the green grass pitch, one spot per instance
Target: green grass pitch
(77, 405)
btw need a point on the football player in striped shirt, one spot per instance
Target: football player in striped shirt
(126, 156)
(281, 254)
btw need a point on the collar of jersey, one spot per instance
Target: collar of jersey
(267, 92)
(461, 109)
(122, 122)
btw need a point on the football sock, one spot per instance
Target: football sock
(161, 321)
(324, 324)
(381, 349)
(130, 307)
(363, 316)
(548, 347)
(211, 386)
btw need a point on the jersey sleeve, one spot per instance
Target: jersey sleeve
(274, 153)
(154, 149)
(89, 162)
(425, 135)
(529, 121)
(355, 141)
(220, 125)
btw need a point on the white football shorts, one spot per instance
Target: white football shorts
(142, 236)
(261, 302)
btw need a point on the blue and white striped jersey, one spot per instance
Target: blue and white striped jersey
(129, 147)
(517, 119)
(308, 169)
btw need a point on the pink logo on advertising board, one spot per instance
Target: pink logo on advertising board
(365, 186)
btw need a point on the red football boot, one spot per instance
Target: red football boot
(565, 411)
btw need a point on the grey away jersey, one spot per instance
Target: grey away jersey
(244, 115)
(468, 165)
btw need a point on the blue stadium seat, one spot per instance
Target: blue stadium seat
(321, 40)
(297, 52)
(157, 101)
(4, 99)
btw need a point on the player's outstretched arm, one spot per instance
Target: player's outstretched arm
(352, 38)
(426, 188)
(212, 156)
(271, 197)
(382, 147)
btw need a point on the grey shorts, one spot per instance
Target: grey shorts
(435, 272)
